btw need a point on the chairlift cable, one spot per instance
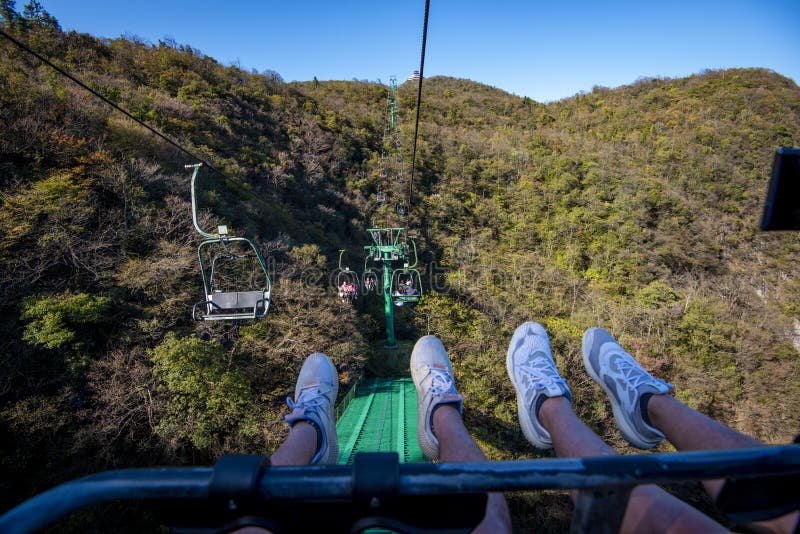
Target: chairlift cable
(105, 99)
(122, 110)
(419, 104)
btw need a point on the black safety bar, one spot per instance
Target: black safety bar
(376, 486)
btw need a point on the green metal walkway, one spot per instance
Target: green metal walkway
(381, 417)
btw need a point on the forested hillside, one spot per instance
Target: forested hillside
(633, 208)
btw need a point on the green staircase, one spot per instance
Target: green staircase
(381, 417)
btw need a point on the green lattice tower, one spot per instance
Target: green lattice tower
(390, 132)
(385, 249)
(391, 101)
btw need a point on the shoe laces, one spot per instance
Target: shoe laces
(309, 399)
(542, 376)
(441, 382)
(633, 373)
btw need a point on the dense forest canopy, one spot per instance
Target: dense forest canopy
(632, 208)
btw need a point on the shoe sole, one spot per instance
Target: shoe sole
(331, 456)
(522, 413)
(627, 431)
(428, 447)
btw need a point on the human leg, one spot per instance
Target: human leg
(440, 428)
(645, 413)
(545, 410)
(650, 509)
(456, 445)
(312, 436)
(690, 430)
(298, 448)
(312, 430)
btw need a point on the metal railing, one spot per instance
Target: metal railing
(348, 397)
(376, 489)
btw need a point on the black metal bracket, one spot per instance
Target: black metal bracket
(746, 499)
(376, 478)
(236, 476)
(233, 499)
(600, 510)
(375, 501)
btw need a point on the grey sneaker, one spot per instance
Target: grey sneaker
(314, 396)
(433, 378)
(625, 382)
(533, 372)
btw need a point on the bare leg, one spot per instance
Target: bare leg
(456, 445)
(650, 509)
(299, 446)
(690, 430)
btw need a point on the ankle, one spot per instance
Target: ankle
(653, 406)
(308, 428)
(550, 410)
(442, 415)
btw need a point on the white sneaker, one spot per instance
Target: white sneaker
(314, 398)
(533, 372)
(433, 378)
(624, 381)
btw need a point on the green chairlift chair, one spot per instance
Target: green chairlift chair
(407, 281)
(219, 304)
(369, 278)
(347, 282)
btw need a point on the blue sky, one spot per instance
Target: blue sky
(546, 51)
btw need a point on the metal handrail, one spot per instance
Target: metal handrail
(345, 402)
(337, 483)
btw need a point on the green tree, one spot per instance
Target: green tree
(35, 13)
(63, 322)
(204, 398)
(8, 13)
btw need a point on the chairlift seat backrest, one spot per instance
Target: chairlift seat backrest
(237, 299)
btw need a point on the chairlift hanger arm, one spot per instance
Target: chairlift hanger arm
(416, 259)
(203, 233)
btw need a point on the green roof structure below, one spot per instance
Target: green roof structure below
(381, 417)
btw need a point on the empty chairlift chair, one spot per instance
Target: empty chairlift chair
(229, 293)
